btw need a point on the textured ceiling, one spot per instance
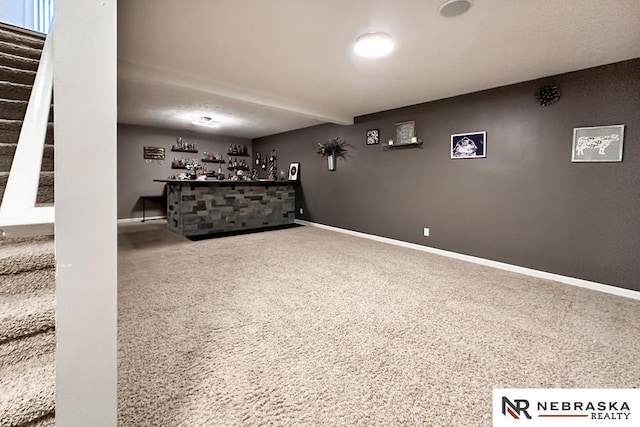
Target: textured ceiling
(263, 67)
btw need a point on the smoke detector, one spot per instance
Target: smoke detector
(452, 8)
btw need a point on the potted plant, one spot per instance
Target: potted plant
(333, 149)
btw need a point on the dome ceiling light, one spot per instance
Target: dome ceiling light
(374, 45)
(205, 121)
(451, 8)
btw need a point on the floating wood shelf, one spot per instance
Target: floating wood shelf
(238, 154)
(238, 168)
(399, 146)
(184, 150)
(213, 161)
(178, 166)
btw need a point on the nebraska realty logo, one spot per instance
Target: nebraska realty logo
(566, 407)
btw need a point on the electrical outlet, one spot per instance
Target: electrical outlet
(426, 232)
(301, 211)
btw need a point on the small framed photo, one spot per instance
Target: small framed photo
(598, 144)
(373, 136)
(294, 171)
(470, 145)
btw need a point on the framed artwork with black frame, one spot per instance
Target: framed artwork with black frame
(294, 171)
(373, 136)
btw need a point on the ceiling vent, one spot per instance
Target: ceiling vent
(451, 8)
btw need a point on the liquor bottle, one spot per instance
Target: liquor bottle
(258, 159)
(264, 163)
(244, 149)
(235, 163)
(230, 151)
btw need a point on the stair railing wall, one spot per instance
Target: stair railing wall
(19, 215)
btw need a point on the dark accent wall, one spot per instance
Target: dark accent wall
(135, 177)
(525, 204)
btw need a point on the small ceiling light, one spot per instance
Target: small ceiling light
(374, 45)
(205, 121)
(451, 8)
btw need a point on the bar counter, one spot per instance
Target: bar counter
(211, 206)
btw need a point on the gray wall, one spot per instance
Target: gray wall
(525, 204)
(135, 177)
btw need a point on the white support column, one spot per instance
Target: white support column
(85, 197)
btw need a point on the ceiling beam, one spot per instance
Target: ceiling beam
(132, 72)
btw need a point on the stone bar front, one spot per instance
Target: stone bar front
(210, 207)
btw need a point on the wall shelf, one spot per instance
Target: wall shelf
(238, 155)
(184, 150)
(401, 146)
(213, 161)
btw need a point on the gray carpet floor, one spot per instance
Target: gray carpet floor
(311, 327)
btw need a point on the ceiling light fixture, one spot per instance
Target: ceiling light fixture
(206, 121)
(451, 8)
(374, 45)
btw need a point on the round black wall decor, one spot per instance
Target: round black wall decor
(547, 95)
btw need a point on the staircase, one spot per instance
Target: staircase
(27, 265)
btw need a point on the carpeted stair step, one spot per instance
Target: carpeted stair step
(27, 391)
(7, 151)
(27, 256)
(45, 188)
(25, 282)
(15, 240)
(46, 421)
(26, 314)
(10, 131)
(19, 62)
(16, 36)
(13, 109)
(17, 75)
(20, 50)
(17, 91)
(24, 348)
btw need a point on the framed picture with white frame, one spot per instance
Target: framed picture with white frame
(294, 171)
(598, 144)
(469, 145)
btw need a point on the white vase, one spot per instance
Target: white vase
(331, 162)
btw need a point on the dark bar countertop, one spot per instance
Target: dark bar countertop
(224, 182)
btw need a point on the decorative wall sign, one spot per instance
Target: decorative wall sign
(405, 132)
(470, 145)
(547, 95)
(373, 136)
(294, 169)
(598, 144)
(153, 153)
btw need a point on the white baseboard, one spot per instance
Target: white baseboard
(489, 263)
(139, 219)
